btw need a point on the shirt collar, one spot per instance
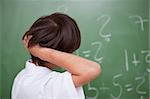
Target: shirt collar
(32, 68)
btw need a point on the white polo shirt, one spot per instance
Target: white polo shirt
(37, 82)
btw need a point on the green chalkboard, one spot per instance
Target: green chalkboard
(0, 49)
(115, 33)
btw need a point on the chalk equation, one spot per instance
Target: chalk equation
(136, 61)
(129, 60)
(120, 88)
(88, 53)
(135, 85)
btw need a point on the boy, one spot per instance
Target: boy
(51, 40)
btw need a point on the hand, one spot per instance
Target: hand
(33, 50)
(26, 41)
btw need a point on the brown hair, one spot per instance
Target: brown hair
(57, 31)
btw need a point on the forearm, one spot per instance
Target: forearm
(82, 70)
(72, 63)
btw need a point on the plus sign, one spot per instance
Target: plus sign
(135, 61)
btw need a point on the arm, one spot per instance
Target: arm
(82, 70)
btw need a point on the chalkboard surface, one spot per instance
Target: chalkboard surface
(0, 49)
(114, 34)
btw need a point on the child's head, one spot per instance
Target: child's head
(57, 31)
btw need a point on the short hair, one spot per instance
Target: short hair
(57, 31)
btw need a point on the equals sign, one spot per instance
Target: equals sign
(129, 88)
(86, 53)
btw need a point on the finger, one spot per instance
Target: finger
(26, 40)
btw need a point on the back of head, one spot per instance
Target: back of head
(57, 31)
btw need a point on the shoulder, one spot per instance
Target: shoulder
(62, 84)
(20, 74)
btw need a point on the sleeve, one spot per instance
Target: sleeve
(69, 86)
(64, 88)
